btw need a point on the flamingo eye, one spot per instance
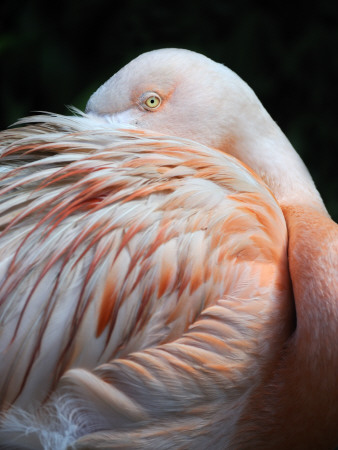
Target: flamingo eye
(152, 101)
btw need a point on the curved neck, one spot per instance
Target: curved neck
(299, 407)
(309, 364)
(259, 142)
(287, 176)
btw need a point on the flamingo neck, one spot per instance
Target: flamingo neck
(256, 139)
(309, 356)
(273, 158)
(312, 253)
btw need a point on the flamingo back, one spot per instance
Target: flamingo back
(147, 272)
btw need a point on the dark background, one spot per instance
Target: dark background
(288, 54)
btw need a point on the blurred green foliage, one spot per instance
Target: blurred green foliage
(57, 54)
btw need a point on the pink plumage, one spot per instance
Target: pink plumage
(145, 294)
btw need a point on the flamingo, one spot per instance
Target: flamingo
(168, 272)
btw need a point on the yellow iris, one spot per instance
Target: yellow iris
(152, 102)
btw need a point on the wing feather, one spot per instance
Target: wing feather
(146, 271)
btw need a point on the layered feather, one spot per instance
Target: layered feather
(150, 272)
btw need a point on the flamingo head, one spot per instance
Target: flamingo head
(181, 93)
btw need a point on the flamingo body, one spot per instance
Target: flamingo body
(145, 296)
